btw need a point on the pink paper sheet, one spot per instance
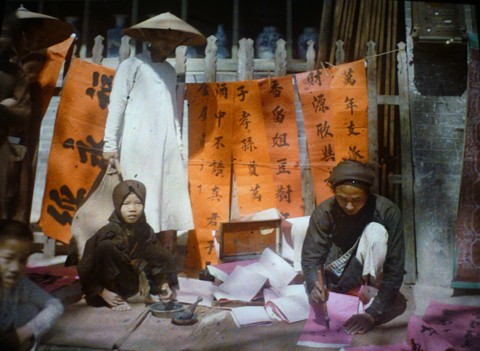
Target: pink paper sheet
(340, 308)
(422, 336)
(459, 325)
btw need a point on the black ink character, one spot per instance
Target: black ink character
(351, 129)
(66, 202)
(323, 130)
(103, 91)
(282, 166)
(248, 144)
(242, 92)
(245, 120)
(255, 193)
(319, 103)
(348, 77)
(275, 88)
(314, 77)
(278, 114)
(350, 104)
(280, 140)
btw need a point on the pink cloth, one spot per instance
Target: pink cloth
(340, 308)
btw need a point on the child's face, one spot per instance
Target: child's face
(132, 208)
(13, 258)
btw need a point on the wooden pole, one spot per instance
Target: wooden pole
(325, 33)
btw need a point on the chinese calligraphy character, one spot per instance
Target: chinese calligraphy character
(328, 154)
(319, 103)
(415, 346)
(252, 169)
(280, 140)
(348, 77)
(248, 144)
(354, 153)
(203, 114)
(282, 166)
(215, 194)
(349, 104)
(351, 129)
(212, 220)
(244, 120)
(283, 194)
(256, 193)
(103, 93)
(66, 202)
(429, 330)
(203, 89)
(93, 149)
(222, 90)
(275, 88)
(278, 114)
(314, 77)
(218, 142)
(219, 117)
(323, 130)
(217, 168)
(242, 92)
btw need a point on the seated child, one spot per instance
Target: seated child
(27, 312)
(124, 261)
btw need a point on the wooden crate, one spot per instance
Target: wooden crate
(247, 240)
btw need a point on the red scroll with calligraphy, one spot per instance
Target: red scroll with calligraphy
(210, 116)
(75, 156)
(251, 160)
(226, 127)
(334, 104)
(278, 101)
(48, 76)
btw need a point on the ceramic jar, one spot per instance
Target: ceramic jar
(309, 33)
(114, 36)
(222, 42)
(266, 42)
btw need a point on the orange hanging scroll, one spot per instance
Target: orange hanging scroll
(75, 156)
(278, 101)
(48, 76)
(314, 92)
(334, 104)
(255, 187)
(210, 167)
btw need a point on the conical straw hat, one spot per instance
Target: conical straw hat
(42, 31)
(166, 26)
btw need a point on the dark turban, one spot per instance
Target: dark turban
(352, 172)
(121, 191)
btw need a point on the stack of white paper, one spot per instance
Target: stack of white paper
(278, 271)
(249, 316)
(190, 289)
(242, 285)
(290, 309)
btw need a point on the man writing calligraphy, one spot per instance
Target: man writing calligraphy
(356, 237)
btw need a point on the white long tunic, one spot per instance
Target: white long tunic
(141, 128)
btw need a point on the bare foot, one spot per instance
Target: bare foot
(114, 301)
(122, 307)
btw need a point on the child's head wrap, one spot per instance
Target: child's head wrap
(123, 189)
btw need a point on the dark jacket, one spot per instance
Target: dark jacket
(331, 233)
(137, 242)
